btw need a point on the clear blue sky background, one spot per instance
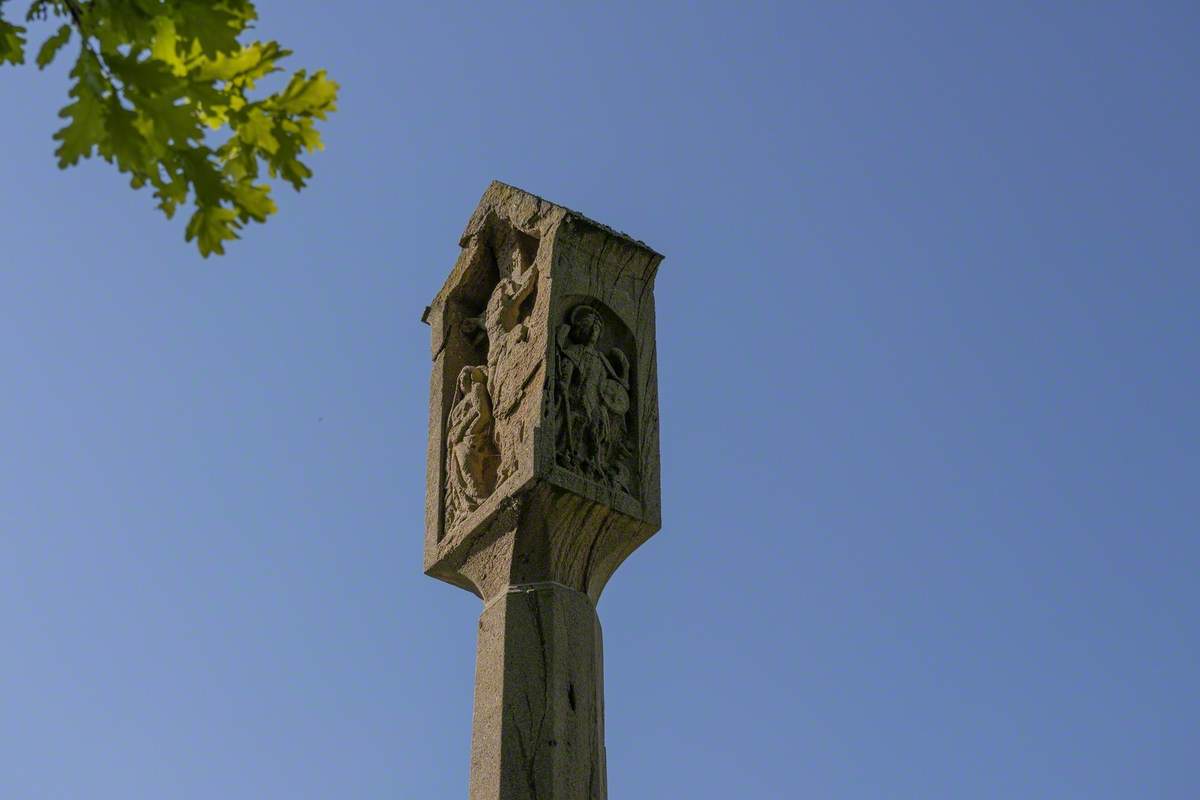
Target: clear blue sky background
(928, 344)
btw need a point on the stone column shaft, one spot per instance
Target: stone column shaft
(538, 727)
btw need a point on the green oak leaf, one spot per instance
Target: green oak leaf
(12, 43)
(208, 183)
(154, 78)
(213, 26)
(125, 142)
(51, 46)
(146, 78)
(211, 227)
(253, 201)
(305, 95)
(164, 45)
(245, 66)
(86, 129)
(171, 192)
(256, 130)
(174, 121)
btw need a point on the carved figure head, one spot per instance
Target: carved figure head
(464, 381)
(586, 326)
(467, 376)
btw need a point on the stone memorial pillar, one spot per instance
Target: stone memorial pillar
(543, 474)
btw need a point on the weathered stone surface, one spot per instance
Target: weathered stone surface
(543, 400)
(543, 473)
(539, 700)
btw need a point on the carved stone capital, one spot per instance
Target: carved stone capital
(543, 417)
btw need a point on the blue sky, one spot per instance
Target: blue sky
(928, 346)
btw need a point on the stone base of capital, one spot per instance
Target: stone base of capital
(538, 727)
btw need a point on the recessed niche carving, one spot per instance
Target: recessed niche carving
(488, 342)
(595, 395)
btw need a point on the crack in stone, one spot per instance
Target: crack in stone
(535, 608)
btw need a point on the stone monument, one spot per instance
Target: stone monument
(543, 474)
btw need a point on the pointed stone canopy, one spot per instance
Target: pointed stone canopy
(543, 474)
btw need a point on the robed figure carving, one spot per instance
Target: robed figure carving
(471, 457)
(593, 403)
(503, 325)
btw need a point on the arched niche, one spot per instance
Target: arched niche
(495, 253)
(595, 396)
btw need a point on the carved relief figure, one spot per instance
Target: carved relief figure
(592, 391)
(506, 330)
(470, 452)
(508, 368)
